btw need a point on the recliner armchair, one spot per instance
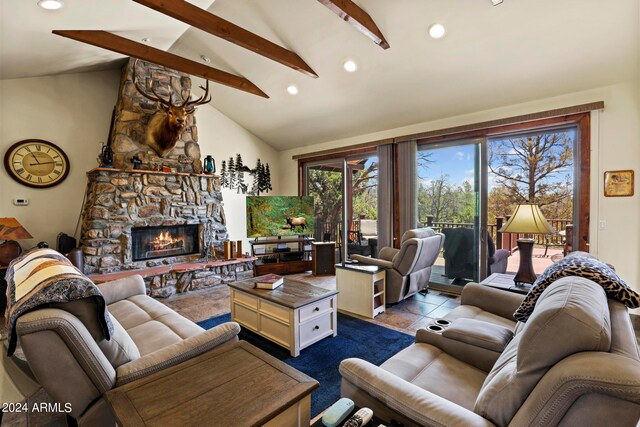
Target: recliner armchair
(575, 362)
(408, 269)
(459, 256)
(75, 367)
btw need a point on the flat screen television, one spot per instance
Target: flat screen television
(271, 216)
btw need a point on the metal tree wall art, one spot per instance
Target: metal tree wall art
(232, 176)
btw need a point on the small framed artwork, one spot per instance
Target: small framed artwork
(618, 183)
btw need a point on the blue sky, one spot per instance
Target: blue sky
(458, 163)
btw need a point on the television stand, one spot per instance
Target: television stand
(295, 260)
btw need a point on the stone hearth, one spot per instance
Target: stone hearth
(118, 200)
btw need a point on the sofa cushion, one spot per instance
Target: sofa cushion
(571, 316)
(580, 266)
(434, 370)
(151, 324)
(120, 349)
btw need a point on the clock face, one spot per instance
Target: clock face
(36, 163)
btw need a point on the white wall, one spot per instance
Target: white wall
(615, 145)
(221, 137)
(74, 111)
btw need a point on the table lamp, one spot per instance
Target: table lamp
(526, 219)
(10, 231)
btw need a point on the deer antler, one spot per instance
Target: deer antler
(189, 106)
(156, 98)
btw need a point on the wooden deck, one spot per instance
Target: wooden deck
(540, 263)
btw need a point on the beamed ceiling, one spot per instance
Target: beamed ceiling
(490, 56)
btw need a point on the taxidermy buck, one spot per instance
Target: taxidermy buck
(166, 125)
(297, 222)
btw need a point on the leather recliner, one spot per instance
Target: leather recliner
(575, 362)
(76, 365)
(407, 269)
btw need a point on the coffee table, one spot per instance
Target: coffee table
(294, 315)
(237, 385)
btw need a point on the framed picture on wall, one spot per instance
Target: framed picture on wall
(618, 183)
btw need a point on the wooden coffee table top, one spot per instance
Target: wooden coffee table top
(239, 385)
(291, 294)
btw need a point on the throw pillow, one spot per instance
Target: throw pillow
(580, 266)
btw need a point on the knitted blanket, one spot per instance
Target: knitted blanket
(40, 277)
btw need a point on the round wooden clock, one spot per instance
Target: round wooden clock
(36, 163)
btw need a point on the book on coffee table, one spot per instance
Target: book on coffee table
(269, 281)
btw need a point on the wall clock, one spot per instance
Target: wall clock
(36, 163)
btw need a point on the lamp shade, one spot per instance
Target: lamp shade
(11, 229)
(527, 218)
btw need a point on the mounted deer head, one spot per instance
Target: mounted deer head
(166, 125)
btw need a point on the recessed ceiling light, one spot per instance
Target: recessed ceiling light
(145, 40)
(292, 90)
(436, 31)
(496, 2)
(350, 66)
(50, 4)
(205, 58)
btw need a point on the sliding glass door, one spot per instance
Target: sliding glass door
(449, 200)
(345, 191)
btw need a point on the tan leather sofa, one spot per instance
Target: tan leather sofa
(75, 364)
(575, 362)
(407, 269)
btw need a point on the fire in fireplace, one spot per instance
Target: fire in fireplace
(164, 241)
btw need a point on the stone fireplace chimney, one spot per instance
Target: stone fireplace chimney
(133, 112)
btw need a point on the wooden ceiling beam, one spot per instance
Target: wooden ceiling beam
(128, 47)
(212, 24)
(358, 18)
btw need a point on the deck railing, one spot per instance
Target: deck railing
(508, 240)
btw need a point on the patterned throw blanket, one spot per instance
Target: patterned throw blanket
(43, 276)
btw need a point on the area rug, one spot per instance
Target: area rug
(356, 338)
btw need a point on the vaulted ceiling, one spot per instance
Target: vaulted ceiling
(491, 56)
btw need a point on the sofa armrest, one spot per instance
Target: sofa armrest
(177, 353)
(117, 290)
(417, 404)
(372, 261)
(612, 377)
(387, 253)
(64, 358)
(472, 341)
(496, 301)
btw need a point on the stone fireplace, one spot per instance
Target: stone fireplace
(166, 219)
(178, 216)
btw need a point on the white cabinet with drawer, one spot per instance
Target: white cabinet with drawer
(294, 325)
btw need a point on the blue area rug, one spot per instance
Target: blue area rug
(356, 338)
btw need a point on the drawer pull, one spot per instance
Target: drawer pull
(316, 309)
(316, 327)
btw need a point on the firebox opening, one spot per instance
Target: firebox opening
(164, 241)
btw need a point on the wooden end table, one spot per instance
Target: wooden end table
(238, 385)
(362, 289)
(505, 282)
(294, 315)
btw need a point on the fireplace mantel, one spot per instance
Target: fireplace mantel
(145, 171)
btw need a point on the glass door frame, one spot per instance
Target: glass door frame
(480, 188)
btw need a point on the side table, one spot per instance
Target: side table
(361, 289)
(505, 282)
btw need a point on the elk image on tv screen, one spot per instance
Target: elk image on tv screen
(279, 216)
